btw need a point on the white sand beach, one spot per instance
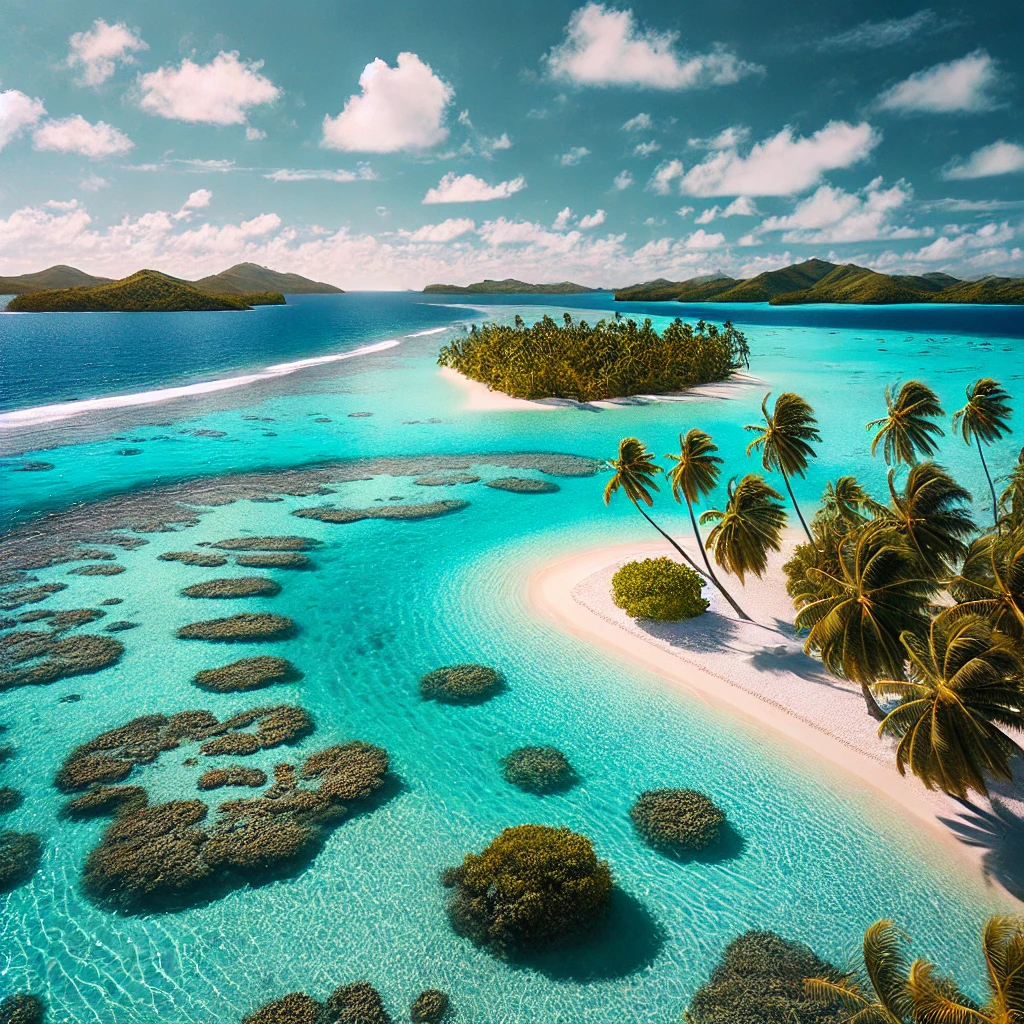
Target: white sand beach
(758, 670)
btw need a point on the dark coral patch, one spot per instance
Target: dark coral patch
(242, 627)
(239, 586)
(246, 674)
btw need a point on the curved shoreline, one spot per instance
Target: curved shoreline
(573, 593)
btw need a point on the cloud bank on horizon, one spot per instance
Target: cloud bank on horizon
(604, 142)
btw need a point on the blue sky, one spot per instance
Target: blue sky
(395, 144)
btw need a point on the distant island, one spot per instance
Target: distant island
(510, 286)
(147, 291)
(820, 281)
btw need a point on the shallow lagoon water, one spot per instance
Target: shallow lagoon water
(391, 600)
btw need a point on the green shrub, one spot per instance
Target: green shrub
(679, 818)
(531, 885)
(658, 588)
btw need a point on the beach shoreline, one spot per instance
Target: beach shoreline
(574, 594)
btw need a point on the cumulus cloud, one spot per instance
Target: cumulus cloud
(1000, 157)
(468, 188)
(741, 206)
(524, 232)
(963, 246)
(727, 138)
(364, 172)
(700, 239)
(254, 134)
(622, 181)
(781, 165)
(661, 180)
(399, 108)
(446, 231)
(93, 183)
(563, 219)
(875, 35)
(684, 211)
(98, 51)
(604, 46)
(640, 123)
(645, 149)
(76, 135)
(17, 112)
(592, 220)
(221, 92)
(962, 85)
(198, 200)
(573, 156)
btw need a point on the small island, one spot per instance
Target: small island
(509, 286)
(612, 359)
(820, 281)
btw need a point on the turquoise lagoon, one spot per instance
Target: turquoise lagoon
(816, 860)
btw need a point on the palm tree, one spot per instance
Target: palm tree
(748, 528)
(785, 441)
(633, 473)
(906, 429)
(991, 583)
(880, 994)
(693, 477)
(964, 683)
(931, 514)
(875, 592)
(937, 1001)
(846, 501)
(1011, 501)
(984, 418)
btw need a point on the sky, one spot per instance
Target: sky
(396, 144)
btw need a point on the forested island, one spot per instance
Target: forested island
(509, 286)
(820, 281)
(611, 359)
(147, 291)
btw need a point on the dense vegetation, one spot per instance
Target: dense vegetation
(60, 276)
(509, 286)
(658, 588)
(145, 292)
(246, 278)
(612, 359)
(820, 281)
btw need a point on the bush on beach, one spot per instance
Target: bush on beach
(658, 588)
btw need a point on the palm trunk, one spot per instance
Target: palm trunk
(869, 698)
(711, 572)
(991, 486)
(686, 557)
(792, 498)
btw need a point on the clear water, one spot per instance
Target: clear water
(818, 860)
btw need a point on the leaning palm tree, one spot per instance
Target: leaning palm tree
(694, 477)
(964, 684)
(748, 527)
(937, 1000)
(880, 993)
(1011, 501)
(633, 472)
(874, 592)
(846, 502)
(984, 418)
(907, 427)
(785, 441)
(991, 583)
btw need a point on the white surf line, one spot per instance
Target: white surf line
(433, 330)
(63, 410)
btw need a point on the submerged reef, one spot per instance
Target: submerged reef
(356, 1003)
(285, 543)
(22, 1008)
(103, 801)
(429, 1007)
(446, 479)
(294, 1008)
(538, 769)
(12, 599)
(20, 853)
(683, 819)
(523, 485)
(530, 886)
(60, 622)
(428, 510)
(245, 626)
(246, 674)
(239, 586)
(101, 569)
(10, 799)
(461, 684)
(235, 775)
(275, 560)
(32, 658)
(204, 559)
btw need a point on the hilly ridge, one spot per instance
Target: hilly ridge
(509, 286)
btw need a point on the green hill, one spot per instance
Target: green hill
(59, 276)
(147, 291)
(244, 278)
(510, 286)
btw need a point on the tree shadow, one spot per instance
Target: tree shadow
(781, 659)
(626, 941)
(999, 832)
(704, 634)
(729, 846)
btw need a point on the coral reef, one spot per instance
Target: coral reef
(60, 622)
(119, 626)
(240, 586)
(235, 775)
(523, 485)
(112, 601)
(286, 543)
(103, 801)
(246, 626)
(357, 1003)
(446, 479)
(21, 1007)
(10, 799)
(275, 560)
(12, 599)
(460, 684)
(20, 853)
(204, 559)
(238, 744)
(52, 657)
(246, 674)
(683, 819)
(428, 510)
(294, 1008)
(429, 1007)
(538, 769)
(351, 771)
(96, 570)
(531, 885)
(33, 467)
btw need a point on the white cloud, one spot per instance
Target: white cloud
(783, 164)
(468, 188)
(700, 239)
(76, 135)
(573, 156)
(707, 216)
(604, 46)
(17, 112)
(945, 249)
(728, 138)
(645, 149)
(1000, 157)
(399, 108)
(99, 50)
(521, 232)
(362, 173)
(684, 211)
(93, 183)
(254, 134)
(563, 220)
(502, 141)
(960, 85)
(834, 215)
(446, 231)
(741, 206)
(640, 123)
(198, 200)
(623, 180)
(661, 180)
(874, 35)
(592, 220)
(220, 92)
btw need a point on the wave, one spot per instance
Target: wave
(63, 410)
(433, 330)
